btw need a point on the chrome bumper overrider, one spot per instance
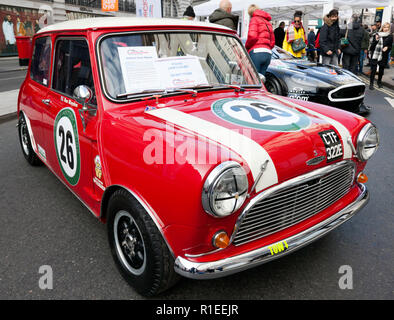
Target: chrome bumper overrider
(225, 267)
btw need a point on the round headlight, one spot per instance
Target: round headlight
(367, 142)
(225, 189)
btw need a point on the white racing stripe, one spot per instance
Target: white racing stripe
(343, 132)
(254, 154)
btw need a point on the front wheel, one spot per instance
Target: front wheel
(137, 246)
(273, 86)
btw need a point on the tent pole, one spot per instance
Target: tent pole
(328, 7)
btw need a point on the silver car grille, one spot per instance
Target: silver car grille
(293, 202)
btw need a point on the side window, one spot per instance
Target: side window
(72, 67)
(41, 61)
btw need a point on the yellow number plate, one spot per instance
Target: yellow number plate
(278, 247)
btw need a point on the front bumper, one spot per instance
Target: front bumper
(225, 267)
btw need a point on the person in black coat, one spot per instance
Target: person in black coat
(280, 34)
(311, 52)
(351, 53)
(330, 39)
(379, 53)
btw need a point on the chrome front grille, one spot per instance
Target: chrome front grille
(294, 201)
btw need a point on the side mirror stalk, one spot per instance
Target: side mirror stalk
(83, 94)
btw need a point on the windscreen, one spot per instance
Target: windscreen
(137, 63)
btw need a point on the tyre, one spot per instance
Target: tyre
(25, 141)
(273, 86)
(138, 249)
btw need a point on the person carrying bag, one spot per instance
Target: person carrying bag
(345, 40)
(295, 40)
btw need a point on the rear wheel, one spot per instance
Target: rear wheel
(25, 141)
(137, 246)
(273, 86)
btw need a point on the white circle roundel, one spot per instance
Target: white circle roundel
(259, 114)
(67, 145)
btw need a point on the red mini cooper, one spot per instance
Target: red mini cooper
(164, 130)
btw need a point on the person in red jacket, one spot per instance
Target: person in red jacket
(261, 38)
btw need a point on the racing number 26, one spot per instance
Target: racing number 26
(66, 143)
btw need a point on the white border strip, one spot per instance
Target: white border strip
(254, 154)
(342, 130)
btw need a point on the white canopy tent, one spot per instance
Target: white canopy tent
(284, 9)
(276, 6)
(207, 8)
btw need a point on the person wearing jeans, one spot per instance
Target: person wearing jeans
(261, 59)
(363, 51)
(330, 39)
(261, 38)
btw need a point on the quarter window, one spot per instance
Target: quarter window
(41, 61)
(72, 67)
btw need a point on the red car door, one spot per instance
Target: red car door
(34, 100)
(70, 139)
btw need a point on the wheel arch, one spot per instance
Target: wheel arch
(284, 88)
(109, 191)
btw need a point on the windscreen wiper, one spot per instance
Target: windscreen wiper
(161, 92)
(141, 93)
(237, 87)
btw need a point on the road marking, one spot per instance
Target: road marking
(13, 78)
(390, 101)
(384, 90)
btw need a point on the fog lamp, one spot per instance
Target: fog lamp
(362, 178)
(220, 240)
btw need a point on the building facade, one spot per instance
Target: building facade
(26, 17)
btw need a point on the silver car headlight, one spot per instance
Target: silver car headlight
(367, 142)
(225, 189)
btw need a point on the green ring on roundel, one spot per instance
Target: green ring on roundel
(67, 145)
(302, 122)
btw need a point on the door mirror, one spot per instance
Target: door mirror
(83, 94)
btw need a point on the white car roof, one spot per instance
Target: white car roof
(113, 22)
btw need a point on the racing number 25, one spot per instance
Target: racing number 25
(256, 115)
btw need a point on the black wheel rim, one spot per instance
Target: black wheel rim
(24, 136)
(271, 87)
(130, 246)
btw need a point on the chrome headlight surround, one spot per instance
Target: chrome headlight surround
(367, 142)
(225, 189)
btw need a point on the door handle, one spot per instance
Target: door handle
(46, 101)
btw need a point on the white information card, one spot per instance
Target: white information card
(178, 72)
(143, 70)
(138, 68)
